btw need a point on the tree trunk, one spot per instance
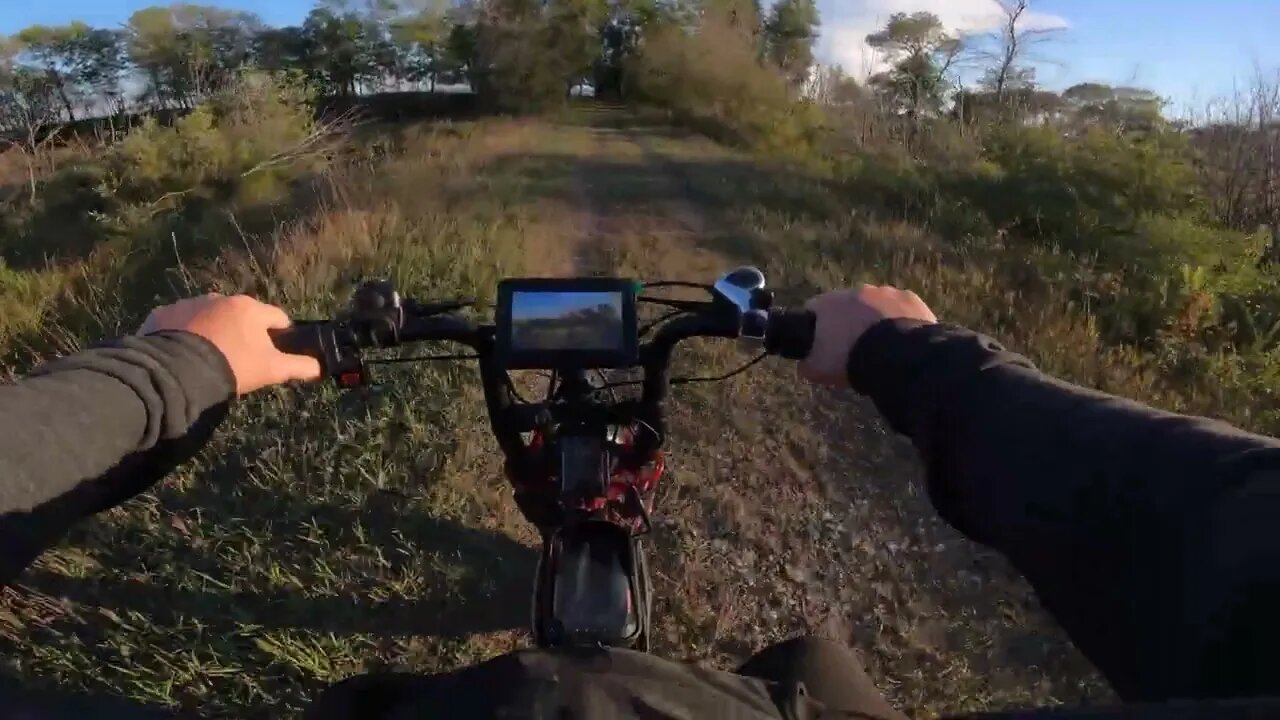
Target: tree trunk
(62, 93)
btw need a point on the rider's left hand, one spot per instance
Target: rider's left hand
(238, 326)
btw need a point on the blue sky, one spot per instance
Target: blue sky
(526, 305)
(1190, 51)
(1187, 50)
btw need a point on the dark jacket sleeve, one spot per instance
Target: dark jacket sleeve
(1153, 538)
(91, 430)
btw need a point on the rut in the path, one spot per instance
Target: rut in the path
(788, 510)
(740, 514)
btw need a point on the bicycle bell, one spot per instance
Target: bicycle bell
(743, 288)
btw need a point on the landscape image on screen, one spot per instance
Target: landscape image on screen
(548, 321)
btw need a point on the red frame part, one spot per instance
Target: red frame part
(644, 480)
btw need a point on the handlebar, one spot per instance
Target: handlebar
(787, 333)
(382, 320)
(790, 333)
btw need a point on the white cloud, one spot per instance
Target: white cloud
(846, 24)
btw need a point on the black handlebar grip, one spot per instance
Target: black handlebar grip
(791, 333)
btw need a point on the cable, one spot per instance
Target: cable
(420, 358)
(604, 385)
(739, 371)
(625, 383)
(511, 387)
(686, 305)
(656, 434)
(648, 327)
(677, 283)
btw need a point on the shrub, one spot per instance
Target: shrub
(712, 79)
(25, 298)
(1080, 192)
(261, 130)
(113, 223)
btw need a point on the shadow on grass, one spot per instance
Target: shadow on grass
(655, 182)
(482, 589)
(722, 201)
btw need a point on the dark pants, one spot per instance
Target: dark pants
(824, 670)
(830, 673)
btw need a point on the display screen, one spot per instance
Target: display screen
(544, 321)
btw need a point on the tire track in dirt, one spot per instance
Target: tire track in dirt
(799, 511)
(741, 515)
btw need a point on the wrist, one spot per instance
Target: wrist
(876, 352)
(199, 366)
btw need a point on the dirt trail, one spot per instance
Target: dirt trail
(792, 512)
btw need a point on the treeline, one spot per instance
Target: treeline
(1231, 145)
(518, 54)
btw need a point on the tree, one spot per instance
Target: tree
(386, 63)
(515, 69)
(1118, 108)
(49, 48)
(98, 64)
(28, 103)
(1010, 52)
(83, 66)
(152, 43)
(573, 37)
(624, 31)
(282, 49)
(339, 55)
(832, 86)
(790, 33)
(460, 50)
(187, 51)
(745, 15)
(1022, 102)
(419, 38)
(922, 52)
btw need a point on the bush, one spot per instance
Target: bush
(111, 225)
(1079, 193)
(712, 79)
(259, 134)
(25, 298)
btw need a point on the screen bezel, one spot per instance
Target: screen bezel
(512, 358)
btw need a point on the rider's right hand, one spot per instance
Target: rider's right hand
(844, 316)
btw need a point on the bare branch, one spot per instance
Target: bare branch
(1012, 43)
